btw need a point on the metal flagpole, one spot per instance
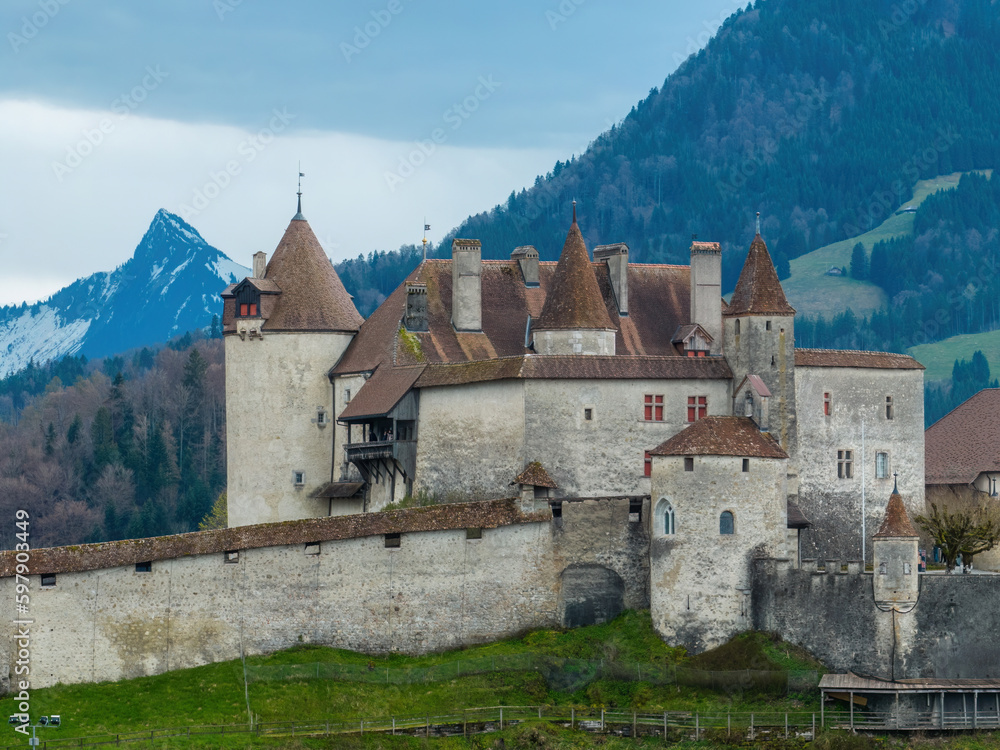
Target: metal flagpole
(864, 463)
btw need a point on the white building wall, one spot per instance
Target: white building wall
(604, 455)
(834, 505)
(700, 580)
(275, 387)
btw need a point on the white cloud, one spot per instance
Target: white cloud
(58, 223)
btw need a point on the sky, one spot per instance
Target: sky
(400, 112)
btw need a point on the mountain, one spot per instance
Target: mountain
(170, 285)
(819, 114)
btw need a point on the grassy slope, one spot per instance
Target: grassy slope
(939, 357)
(214, 694)
(812, 292)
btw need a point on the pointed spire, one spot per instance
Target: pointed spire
(574, 299)
(758, 224)
(758, 291)
(298, 216)
(897, 520)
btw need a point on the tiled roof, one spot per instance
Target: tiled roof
(571, 367)
(312, 295)
(897, 521)
(853, 358)
(659, 302)
(381, 392)
(965, 442)
(536, 476)
(574, 300)
(756, 383)
(489, 514)
(758, 291)
(796, 518)
(721, 436)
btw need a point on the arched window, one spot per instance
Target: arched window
(726, 523)
(666, 522)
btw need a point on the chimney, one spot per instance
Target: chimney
(616, 258)
(259, 265)
(416, 307)
(466, 285)
(706, 290)
(527, 258)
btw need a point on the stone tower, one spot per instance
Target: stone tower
(759, 338)
(574, 319)
(895, 556)
(283, 330)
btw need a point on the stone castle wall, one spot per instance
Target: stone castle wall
(440, 589)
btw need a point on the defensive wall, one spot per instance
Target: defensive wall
(461, 574)
(948, 633)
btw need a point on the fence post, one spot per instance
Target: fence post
(602, 716)
(572, 717)
(786, 725)
(465, 723)
(501, 718)
(697, 727)
(427, 728)
(362, 727)
(814, 727)
(633, 725)
(539, 712)
(664, 725)
(729, 724)
(751, 726)
(393, 726)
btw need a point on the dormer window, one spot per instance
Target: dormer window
(247, 302)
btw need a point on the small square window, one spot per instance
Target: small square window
(881, 465)
(889, 411)
(392, 541)
(298, 478)
(321, 418)
(689, 463)
(647, 464)
(311, 548)
(144, 567)
(746, 464)
(767, 325)
(845, 464)
(49, 579)
(588, 415)
(556, 510)
(231, 556)
(476, 533)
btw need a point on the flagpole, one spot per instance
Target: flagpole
(864, 461)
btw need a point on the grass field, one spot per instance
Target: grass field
(939, 357)
(810, 291)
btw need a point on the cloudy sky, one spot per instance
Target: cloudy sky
(397, 109)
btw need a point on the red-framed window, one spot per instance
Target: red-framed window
(653, 408)
(647, 464)
(826, 404)
(248, 310)
(697, 408)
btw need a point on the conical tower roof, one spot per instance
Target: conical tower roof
(312, 298)
(574, 300)
(897, 521)
(758, 292)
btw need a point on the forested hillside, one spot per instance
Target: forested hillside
(116, 448)
(820, 114)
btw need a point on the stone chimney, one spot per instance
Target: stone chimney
(527, 258)
(616, 258)
(259, 265)
(416, 307)
(466, 285)
(706, 290)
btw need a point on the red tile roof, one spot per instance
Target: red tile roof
(312, 296)
(853, 358)
(659, 302)
(574, 300)
(575, 367)
(965, 442)
(381, 392)
(897, 521)
(721, 436)
(758, 291)
(536, 476)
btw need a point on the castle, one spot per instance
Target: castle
(621, 438)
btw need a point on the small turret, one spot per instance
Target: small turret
(895, 555)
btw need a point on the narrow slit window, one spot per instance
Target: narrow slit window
(556, 510)
(889, 411)
(689, 463)
(647, 464)
(635, 511)
(727, 524)
(881, 465)
(826, 404)
(746, 464)
(588, 415)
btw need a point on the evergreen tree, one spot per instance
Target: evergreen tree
(859, 262)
